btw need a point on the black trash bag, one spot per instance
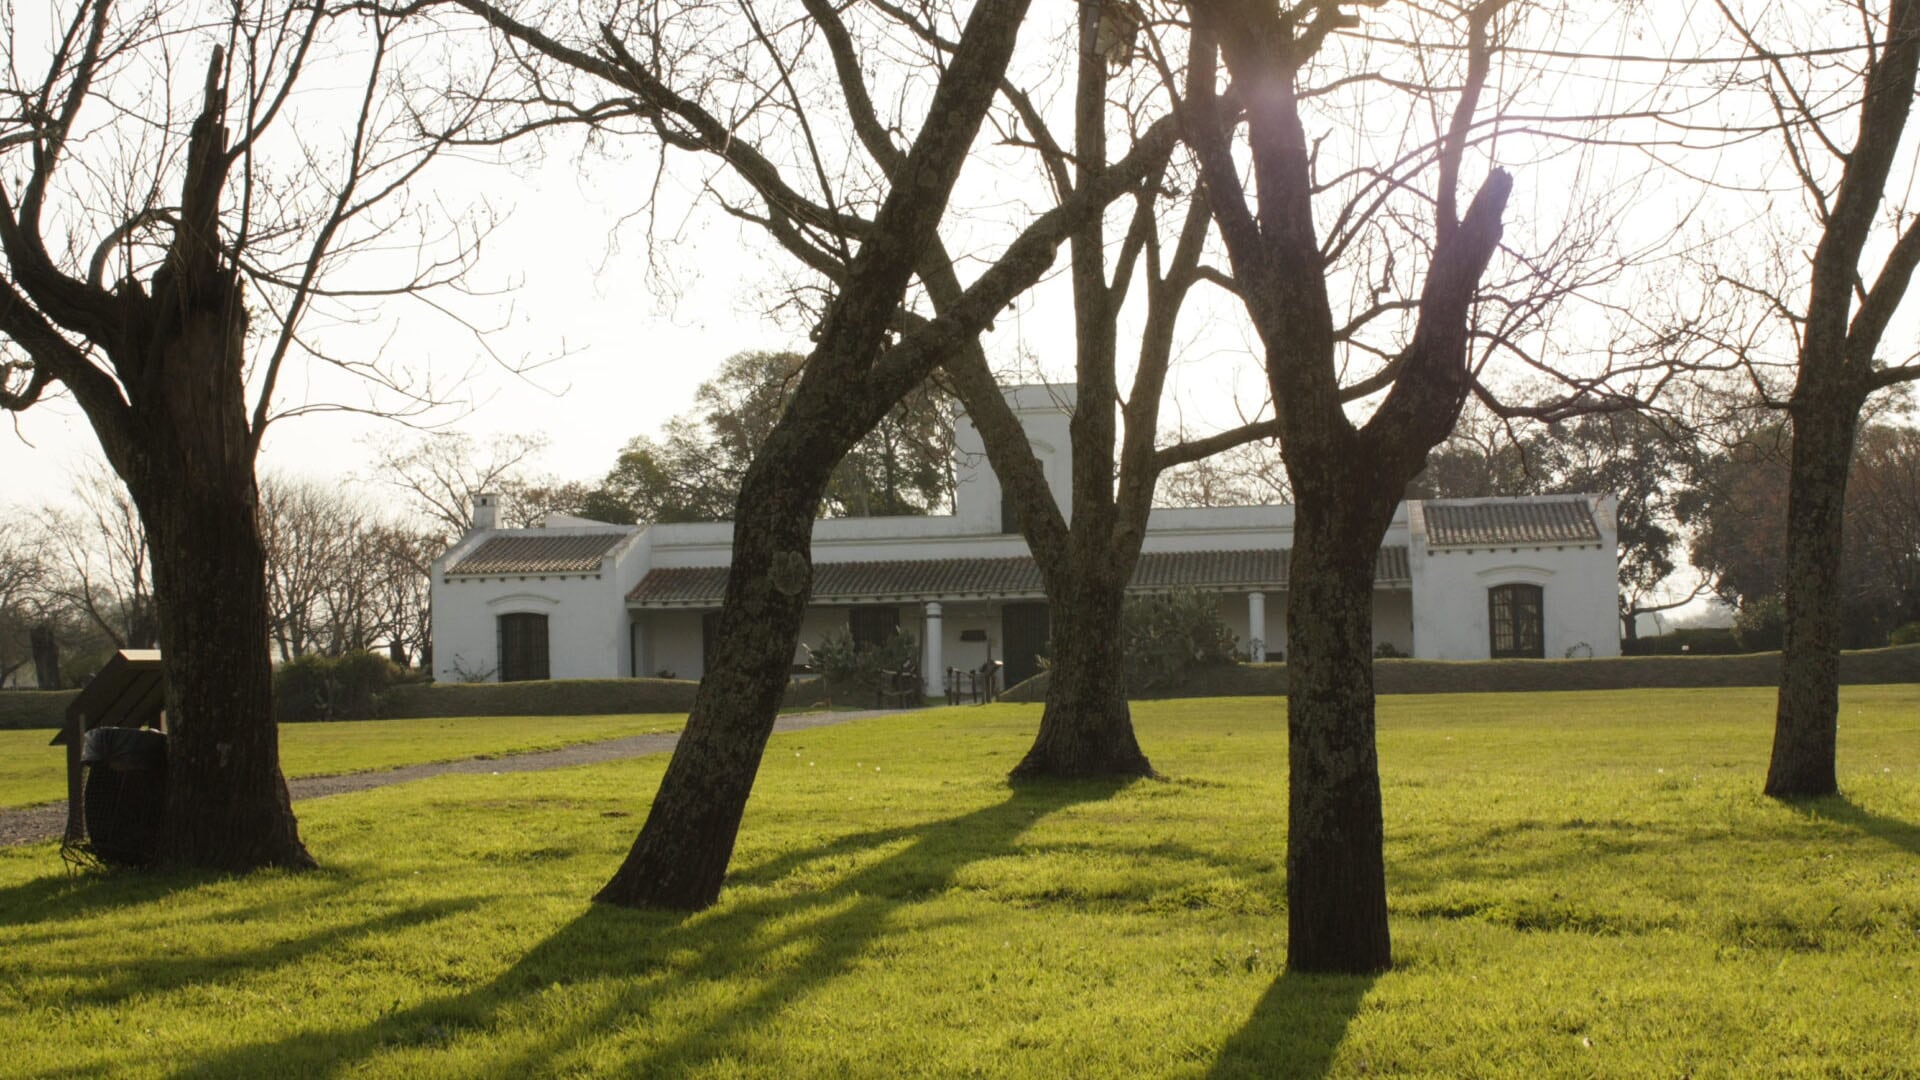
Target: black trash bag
(124, 792)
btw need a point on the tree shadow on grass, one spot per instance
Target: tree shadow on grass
(111, 980)
(67, 895)
(1295, 1029)
(642, 973)
(1844, 811)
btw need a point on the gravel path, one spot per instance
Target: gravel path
(35, 824)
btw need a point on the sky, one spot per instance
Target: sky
(589, 345)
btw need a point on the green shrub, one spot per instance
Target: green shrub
(547, 697)
(1899, 664)
(1762, 625)
(1687, 641)
(23, 709)
(1168, 639)
(1908, 634)
(852, 673)
(347, 687)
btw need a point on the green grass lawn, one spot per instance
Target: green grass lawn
(33, 772)
(1583, 885)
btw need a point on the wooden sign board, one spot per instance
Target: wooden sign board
(130, 691)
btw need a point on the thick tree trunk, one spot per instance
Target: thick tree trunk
(1087, 729)
(227, 806)
(1806, 723)
(192, 479)
(1336, 871)
(46, 657)
(680, 857)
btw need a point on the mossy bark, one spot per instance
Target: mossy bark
(1336, 868)
(680, 857)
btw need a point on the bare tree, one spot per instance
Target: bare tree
(398, 594)
(1838, 80)
(1087, 551)
(1248, 475)
(99, 561)
(313, 535)
(23, 575)
(159, 265)
(438, 474)
(865, 231)
(1362, 274)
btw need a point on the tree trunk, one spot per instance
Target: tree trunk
(1336, 870)
(46, 657)
(227, 806)
(1806, 723)
(1087, 729)
(187, 460)
(680, 857)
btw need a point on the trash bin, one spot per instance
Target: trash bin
(124, 792)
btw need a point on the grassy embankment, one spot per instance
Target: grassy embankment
(33, 772)
(1584, 884)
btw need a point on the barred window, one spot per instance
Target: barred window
(1516, 620)
(523, 647)
(872, 625)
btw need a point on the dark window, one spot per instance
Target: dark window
(523, 647)
(872, 625)
(1026, 631)
(1516, 621)
(1009, 516)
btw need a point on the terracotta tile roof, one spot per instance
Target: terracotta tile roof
(934, 579)
(538, 553)
(1507, 523)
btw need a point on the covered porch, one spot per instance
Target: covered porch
(967, 612)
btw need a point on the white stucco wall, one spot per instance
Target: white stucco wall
(1577, 599)
(586, 624)
(592, 634)
(1393, 619)
(1045, 412)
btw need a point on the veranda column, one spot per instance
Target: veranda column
(933, 673)
(1256, 626)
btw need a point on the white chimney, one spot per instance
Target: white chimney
(485, 512)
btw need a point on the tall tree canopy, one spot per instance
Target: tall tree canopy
(692, 470)
(1735, 502)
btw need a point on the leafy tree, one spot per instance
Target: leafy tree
(1629, 454)
(1632, 456)
(1169, 638)
(1484, 457)
(1736, 500)
(692, 471)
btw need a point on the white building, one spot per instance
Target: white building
(1455, 579)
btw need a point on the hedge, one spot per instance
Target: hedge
(551, 697)
(21, 709)
(1898, 664)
